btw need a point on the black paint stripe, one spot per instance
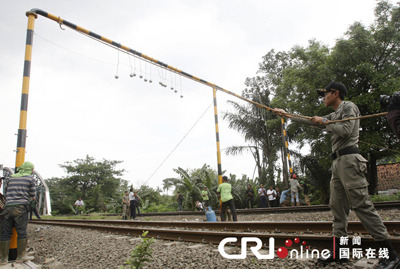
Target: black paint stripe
(116, 44)
(21, 138)
(24, 102)
(27, 68)
(40, 12)
(69, 24)
(217, 135)
(219, 169)
(215, 101)
(186, 74)
(216, 118)
(95, 35)
(162, 64)
(29, 37)
(134, 51)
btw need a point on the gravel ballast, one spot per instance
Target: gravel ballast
(83, 248)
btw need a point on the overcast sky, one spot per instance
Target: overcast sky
(77, 107)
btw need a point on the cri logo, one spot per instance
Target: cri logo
(281, 252)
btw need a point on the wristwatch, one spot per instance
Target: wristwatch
(324, 120)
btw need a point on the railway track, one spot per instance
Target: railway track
(288, 209)
(282, 231)
(308, 227)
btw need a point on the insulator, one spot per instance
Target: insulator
(150, 81)
(131, 75)
(172, 88)
(116, 76)
(181, 96)
(134, 74)
(145, 80)
(140, 76)
(175, 91)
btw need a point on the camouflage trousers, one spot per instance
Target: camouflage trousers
(349, 190)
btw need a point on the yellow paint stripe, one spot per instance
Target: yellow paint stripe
(20, 157)
(81, 29)
(288, 156)
(291, 170)
(216, 128)
(28, 52)
(22, 119)
(25, 85)
(284, 132)
(125, 48)
(283, 122)
(31, 22)
(105, 39)
(286, 144)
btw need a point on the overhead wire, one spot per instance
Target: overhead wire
(177, 145)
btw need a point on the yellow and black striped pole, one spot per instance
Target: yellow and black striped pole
(139, 54)
(217, 137)
(286, 152)
(21, 142)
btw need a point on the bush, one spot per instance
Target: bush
(382, 198)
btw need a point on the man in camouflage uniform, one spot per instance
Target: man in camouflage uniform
(348, 186)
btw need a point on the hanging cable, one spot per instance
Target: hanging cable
(183, 138)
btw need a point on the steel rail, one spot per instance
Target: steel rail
(289, 209)
(212, 237)
(308, 227)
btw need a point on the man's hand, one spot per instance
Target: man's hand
(319, 120)
(280, 112)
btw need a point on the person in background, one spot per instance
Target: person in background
(199, 206)
(204, 195)
(262, 192)
(278, 196)
(2, 200)
(33, 208)
(225, 192)
(179, 198)
(271, 193)
(132, 204)
(125, 206)
(250, 196)
(393, 115)
(21, 187)
(137, 198)
(294, 190)
(305, 192)
(79, 204)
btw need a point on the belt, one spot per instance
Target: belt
(345, 151)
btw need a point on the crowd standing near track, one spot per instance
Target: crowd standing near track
(278, 196)
(225, 192)
(125, 206)
(179, 199)
(262, 193)
(204, 195)
(79, 204)
(393, 115)
(199, 206)
(271, 193)
(137, 198)
(33, 208)
(250, 196)
(294, 190)
(21, 187)
(304, 186)
(132, 204)
(348, 187)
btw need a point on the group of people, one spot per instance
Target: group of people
(273, 197)
(130, 203)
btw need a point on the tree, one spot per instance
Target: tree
(97, 182)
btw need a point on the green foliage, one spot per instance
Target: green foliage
(142, 253)
(365, 59)
(97, 182)
(383, 198)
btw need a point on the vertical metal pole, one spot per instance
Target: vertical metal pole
(217, 137)
(23, 114)
(286, 156)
